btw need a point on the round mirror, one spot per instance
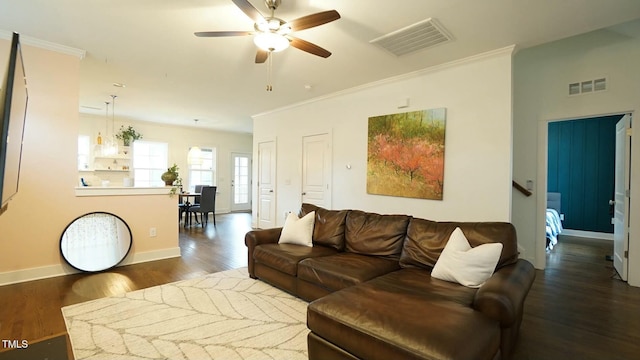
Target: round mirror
(96, 241)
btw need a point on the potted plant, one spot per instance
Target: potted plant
(171, 176)
(128, 134)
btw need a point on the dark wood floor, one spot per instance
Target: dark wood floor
(31, 310)
(576, 307)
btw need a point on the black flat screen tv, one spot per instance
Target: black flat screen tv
(13, 111)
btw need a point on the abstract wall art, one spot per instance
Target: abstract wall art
(406, 154)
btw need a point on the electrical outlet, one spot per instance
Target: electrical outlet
(153, 232)
(562, 217)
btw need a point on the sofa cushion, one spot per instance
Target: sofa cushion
(329, 225)
(297, 230)
(285, 257)
(405, 315)
(462, 264)
(375, 234)
(344, 269)
(426, 239)
(420, 283)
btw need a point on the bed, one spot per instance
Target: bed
(554, 224)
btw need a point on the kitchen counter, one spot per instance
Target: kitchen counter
(121, 190)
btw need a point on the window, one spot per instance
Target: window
(149, 162)
(203, 171)
(84, 150)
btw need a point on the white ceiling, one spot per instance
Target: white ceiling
(173, 77)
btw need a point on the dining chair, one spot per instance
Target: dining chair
(207, 204)
(181, 209)
(183, 205)
(196, 199)
(197, 189)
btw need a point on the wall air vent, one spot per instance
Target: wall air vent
(587, 86)
(421, 35)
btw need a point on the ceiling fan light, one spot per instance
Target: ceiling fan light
(271, 42)
(262, 25)
(285, 29)
(274, 24)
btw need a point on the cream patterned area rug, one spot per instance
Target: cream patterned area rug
(225, 315)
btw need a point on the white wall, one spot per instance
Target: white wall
(477, 177)
(180, 139)
(541, 78)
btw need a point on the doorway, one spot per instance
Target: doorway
(241, 182)
(316, 170)
(266, 209)
(621, 201)
(580, 159)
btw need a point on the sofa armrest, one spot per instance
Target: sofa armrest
(256, 237)
(502, 296)
(266, 236)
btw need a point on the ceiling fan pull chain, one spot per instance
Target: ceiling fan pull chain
(269, 71)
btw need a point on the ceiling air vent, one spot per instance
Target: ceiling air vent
(421, 35)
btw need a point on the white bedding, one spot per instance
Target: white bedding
(554, 228)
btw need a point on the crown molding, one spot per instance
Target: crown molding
(43, 44)
(485, 55)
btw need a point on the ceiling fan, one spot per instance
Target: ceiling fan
(273, 34)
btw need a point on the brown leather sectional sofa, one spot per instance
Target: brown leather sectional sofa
(368, 278)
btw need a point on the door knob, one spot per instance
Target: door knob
(612, 202)
(304, 193)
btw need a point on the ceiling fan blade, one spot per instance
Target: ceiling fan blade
(309, 47)
(249, 9)
(221, 33)
(261, 56)
(312, 20)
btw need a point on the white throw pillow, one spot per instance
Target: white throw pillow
(298, 231)
(467, 266)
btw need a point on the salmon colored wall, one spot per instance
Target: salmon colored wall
(30, 229)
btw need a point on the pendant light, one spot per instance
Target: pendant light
(110, 146)
(112, 143)
(104, 144)
(194, 156)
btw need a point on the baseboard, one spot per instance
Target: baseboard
(151, 256)
(587, 234)
(37, 273)
(522, 254)
(44, 272)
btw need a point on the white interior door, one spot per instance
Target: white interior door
(267, 184)
(316, 170)
(621, 201)
(241, 182)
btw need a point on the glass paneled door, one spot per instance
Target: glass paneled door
(241, 182)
